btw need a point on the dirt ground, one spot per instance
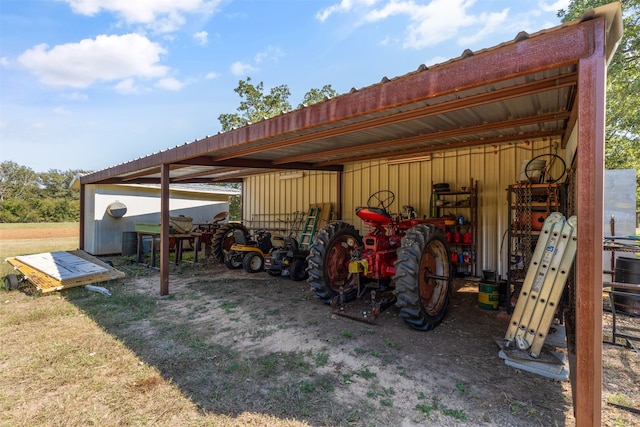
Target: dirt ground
(455, 365)
(39, 233)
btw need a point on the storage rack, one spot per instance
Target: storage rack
(529, 205)
(452, 205)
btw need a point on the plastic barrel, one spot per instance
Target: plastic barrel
(129, 243)
(488, 296)
(627, 271)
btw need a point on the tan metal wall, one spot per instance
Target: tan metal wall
(270, 200)
(492, 167)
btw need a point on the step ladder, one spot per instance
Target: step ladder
(309, 228)
(543, 285)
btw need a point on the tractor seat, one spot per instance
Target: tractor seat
(241, 238)
(377, 215)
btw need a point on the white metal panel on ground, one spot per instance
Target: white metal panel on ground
(61, 265)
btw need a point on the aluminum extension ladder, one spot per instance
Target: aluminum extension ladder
(543, 284)
(309, 228)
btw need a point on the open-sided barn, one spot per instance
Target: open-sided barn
(474, 117)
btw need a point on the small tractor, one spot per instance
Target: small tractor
(401, 260)
(247, 253)
(291, 259)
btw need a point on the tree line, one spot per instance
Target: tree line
(28, 196)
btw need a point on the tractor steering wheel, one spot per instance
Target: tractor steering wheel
(381, 199)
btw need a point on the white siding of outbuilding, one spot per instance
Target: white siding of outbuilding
(494, 168)
(104, 234)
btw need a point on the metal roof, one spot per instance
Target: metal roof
(521, 90)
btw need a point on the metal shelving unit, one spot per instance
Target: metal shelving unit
(529, 206)
(462, 236)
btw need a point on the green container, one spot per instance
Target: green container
(488, 296)
(147, 228)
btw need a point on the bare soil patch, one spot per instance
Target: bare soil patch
(43, 232)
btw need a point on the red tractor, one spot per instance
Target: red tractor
(401, 260)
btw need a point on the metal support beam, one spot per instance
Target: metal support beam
(591, 124)
(164, 229)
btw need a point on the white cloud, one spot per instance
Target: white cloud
(212, 75)
(241, 68)
(169, 83)
(159, 15)
(343, 7)
(201, 37)
(553, 6)
(429, 23)
(105, 58)
(128, 87)
(492, 21)
(271, 53)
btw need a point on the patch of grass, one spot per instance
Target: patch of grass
(307, 386)
(124, 305)
(464, 391)
(517, 406)
(228, 306)
(620, 399)
(365, 373)
(321, 359)
(346, 378)
(346, 334)
(391, 344)
(435, 405)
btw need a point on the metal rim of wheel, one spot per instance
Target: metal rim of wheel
(253, 262)
(328, 261)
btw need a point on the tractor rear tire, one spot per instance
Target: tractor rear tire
(298, 270)
(224, 238)
(423, 277)
(253, 262)
(328, 261)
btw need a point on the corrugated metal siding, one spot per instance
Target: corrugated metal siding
(493, 168)
(270, 201)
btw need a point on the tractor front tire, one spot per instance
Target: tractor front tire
(224, 238)
(253, 262)
(423, 277)
(328, 261)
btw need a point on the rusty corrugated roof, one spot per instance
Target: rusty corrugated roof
(517, 91)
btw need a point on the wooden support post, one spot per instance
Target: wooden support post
(164, 229)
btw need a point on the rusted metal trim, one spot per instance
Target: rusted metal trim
(251, 163)
(558, 47)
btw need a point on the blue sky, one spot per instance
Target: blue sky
(88, 84)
